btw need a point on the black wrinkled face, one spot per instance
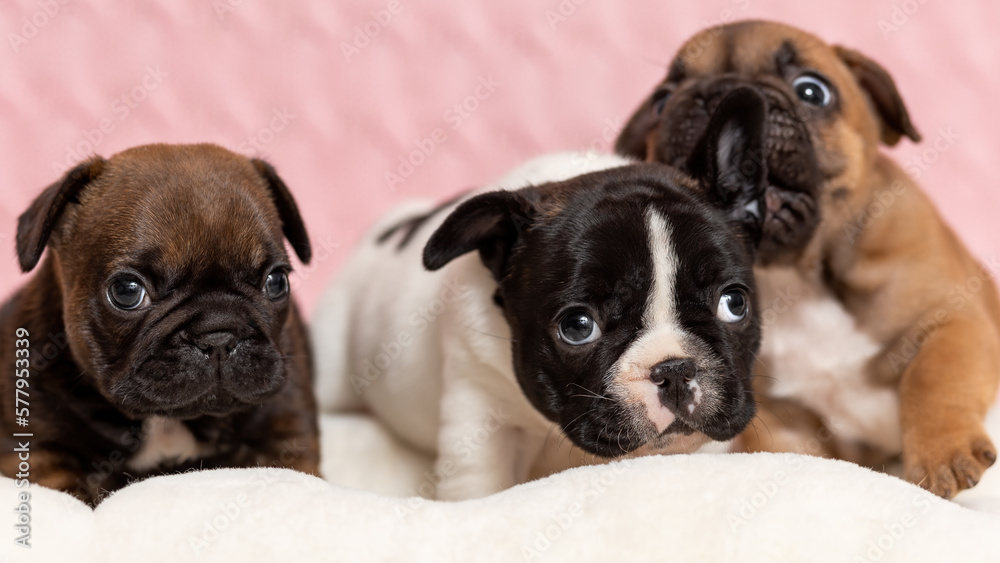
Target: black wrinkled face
(633, 316)
(800, 102)
(185, 313)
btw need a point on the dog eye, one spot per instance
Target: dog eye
(812, 90)
(660, 98)
(276, 285)
(578, 328)
(733, 306)
(126, 293)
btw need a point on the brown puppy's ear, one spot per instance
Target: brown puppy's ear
(291, 222)
(489, 223)
(881, 90)
(35, 225)
(634, 139)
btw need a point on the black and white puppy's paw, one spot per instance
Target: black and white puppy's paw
(611, 302)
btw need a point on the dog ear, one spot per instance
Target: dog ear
(881, 90)
(35, 225)
(489, 223)
(291, 222)
(634, 139)
(730, 162)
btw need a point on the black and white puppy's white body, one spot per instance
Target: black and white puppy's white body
(607, 301)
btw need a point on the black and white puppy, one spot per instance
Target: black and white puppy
(583, 295)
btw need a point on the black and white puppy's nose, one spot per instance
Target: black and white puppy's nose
(675, 371)
(219, 343)
(672, 377)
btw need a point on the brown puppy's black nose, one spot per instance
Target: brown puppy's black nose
(219, 343)
(675, 372)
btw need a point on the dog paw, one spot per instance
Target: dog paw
(948, 463)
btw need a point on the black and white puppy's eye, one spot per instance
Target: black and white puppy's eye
(576, 329)
(734, 306)
(812, 90)
(126, 292)
(276, 285)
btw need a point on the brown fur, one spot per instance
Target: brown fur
(195, 212)
(896, 274)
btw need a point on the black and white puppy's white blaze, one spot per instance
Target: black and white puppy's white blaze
(616, 306)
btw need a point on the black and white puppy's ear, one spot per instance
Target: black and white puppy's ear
(35, 225)
(291, 221)
(730, 161)
(489, 223)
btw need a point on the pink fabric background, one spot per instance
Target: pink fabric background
(219, 70)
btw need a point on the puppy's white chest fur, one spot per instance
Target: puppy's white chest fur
(816, 354)
(164, 440)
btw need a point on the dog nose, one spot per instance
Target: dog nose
(675, 372)
(219, 342)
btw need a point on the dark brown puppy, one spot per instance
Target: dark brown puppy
(158, 333)
(878, 324)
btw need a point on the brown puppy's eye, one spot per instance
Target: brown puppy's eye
(276, 285)
(126, 293)
(660, 98)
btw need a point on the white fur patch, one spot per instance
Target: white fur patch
(163, 439)
(663, 335)
(817, 355)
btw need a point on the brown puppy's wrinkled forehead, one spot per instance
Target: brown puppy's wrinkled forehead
(753, 49)
(183, 205)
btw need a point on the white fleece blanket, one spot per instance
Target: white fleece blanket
(759, 507)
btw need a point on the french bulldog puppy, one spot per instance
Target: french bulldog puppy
(581, 296)
(884, 332)
(158, 334)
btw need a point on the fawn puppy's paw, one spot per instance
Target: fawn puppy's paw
(945, 463)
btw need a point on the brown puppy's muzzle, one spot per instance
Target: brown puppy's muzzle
(793, 174)
(214, 364)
